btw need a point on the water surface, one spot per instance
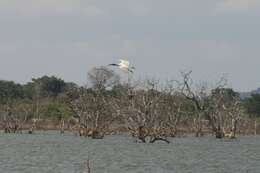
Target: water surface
(50, 152)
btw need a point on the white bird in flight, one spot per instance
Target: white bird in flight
(124, 65)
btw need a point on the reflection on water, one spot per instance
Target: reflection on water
(54, 153)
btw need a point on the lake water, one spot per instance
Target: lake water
(51, 152)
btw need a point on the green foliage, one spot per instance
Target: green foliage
(252, 105)
(226, 95)
(57, 110)
(29, 90)
(102, 78)
(49, 86)
(188, 107)
(10, 91)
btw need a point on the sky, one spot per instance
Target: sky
(67, 38)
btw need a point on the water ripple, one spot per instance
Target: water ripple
(50, 152)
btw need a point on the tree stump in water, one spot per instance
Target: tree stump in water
(142, 133)
(32, 128)
(219, 134)
(7, 130)
(97, 135)
(62, 124)
(159, 139)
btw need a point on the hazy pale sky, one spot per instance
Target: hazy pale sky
(66, 38)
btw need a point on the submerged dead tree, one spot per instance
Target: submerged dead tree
(142, 112)
(199, 98)
(173, 107)
(14, 116)
(6, 118)
(226, 111)
(18, 116)
(220, 106)
(93, 108)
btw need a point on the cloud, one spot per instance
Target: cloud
(237, 6)
(32, 8)
(208, 36)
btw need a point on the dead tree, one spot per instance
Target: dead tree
(221, 107)
(200, 101)
(6, 118)
(22, 114)
(172, 107)
(94, 113)
(226, 111)
(93, 107)
(37, 108)
(15, 115)
(142, 112)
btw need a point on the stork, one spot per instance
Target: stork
(124, 65)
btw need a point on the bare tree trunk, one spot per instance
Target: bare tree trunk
(82, 131)
(96, 120)
(219, 132)
(142, 133)
(87, 167)
(255, 127)
(174, 128)
(31, 130)
(7, 128)
(62, 123)
(7, 125)
(198, 126)
(173, 131)
(233, 128)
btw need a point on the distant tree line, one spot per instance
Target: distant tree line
(148, 109)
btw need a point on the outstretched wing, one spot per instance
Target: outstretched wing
(124, 63)
(114, 64)
(129, 70)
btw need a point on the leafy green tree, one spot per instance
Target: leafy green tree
(50, 86)
(10, 91)
(103, 78)
(29, 90)
(57, 110)
(252, 106)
